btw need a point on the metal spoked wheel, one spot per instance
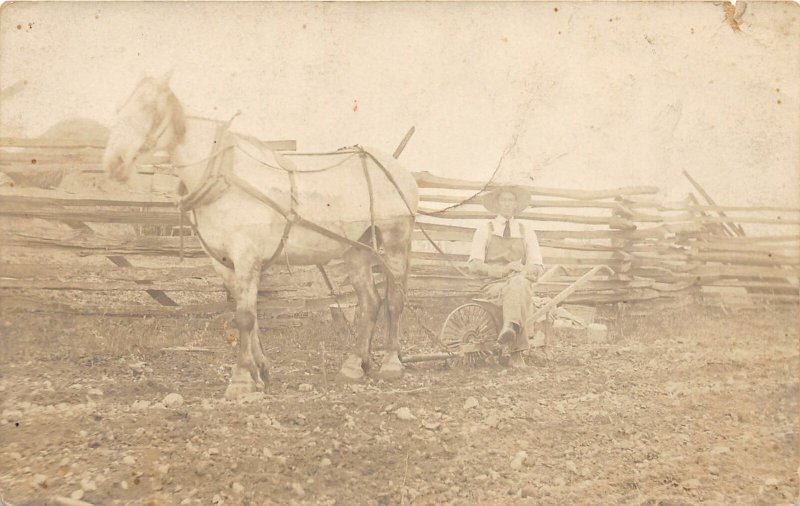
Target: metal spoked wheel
(469, 332)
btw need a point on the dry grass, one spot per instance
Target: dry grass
(698, 323)
(68, 337)
(28, 336)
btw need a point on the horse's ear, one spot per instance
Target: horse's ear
(164, 81)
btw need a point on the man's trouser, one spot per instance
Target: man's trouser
(514, 295)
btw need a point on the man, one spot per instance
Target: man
(507, 250)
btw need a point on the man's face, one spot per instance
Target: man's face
(507, 202)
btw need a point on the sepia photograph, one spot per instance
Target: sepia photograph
(399, 253)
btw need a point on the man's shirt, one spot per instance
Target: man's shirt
(497, 226)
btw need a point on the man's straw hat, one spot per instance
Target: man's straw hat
(490, 199)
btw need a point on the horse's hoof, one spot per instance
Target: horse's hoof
(263, 375)
(244, 380)
(350, 376)
(351, 370)
(391, 370)
(237, 389)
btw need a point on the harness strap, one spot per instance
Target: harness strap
(290, 168)
(293, 201)
(285, 236)
(283, 162)
(227, 262)
(217, 172)
(213, 154)
(210, 181)
(299, 220)
(281, 245)
(212, 187)
(412, 213)
(217, 178)
(371, 201)
(390, 275)
(491, 233)
(326, 278)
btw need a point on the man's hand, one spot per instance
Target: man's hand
(502, 271)
(516, 267)
(497, 271)
(533, 272)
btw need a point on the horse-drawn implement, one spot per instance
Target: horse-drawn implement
(469, 333)
(251, 206)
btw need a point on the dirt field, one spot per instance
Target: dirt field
(684, 409)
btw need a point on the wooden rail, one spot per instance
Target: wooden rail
(666, 252)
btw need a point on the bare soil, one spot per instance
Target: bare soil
(684, 408)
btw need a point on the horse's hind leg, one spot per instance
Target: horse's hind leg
(397, 247)
(250, 371)
(359, 267)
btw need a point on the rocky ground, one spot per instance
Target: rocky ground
(681, 409)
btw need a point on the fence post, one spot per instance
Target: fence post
(623, 249)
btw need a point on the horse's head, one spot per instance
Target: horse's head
(150, 120)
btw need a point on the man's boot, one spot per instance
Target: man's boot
(508, 334)
(516, 361)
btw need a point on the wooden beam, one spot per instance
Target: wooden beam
(35, 201)
(611, 221)
(739, 230)
(402, 145)
(535, 203)
(20, 142)
(157, 295)
(139, 217)
(428, 180)
(725, 229)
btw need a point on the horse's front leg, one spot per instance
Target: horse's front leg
(250, 371)
(359, 266)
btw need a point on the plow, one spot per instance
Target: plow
(469, 333)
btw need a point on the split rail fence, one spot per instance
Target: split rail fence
(119, 256)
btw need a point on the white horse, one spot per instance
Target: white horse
(252, 206)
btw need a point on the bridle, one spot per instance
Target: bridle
(154, 136)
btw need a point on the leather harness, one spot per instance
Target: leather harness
(219, 177)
